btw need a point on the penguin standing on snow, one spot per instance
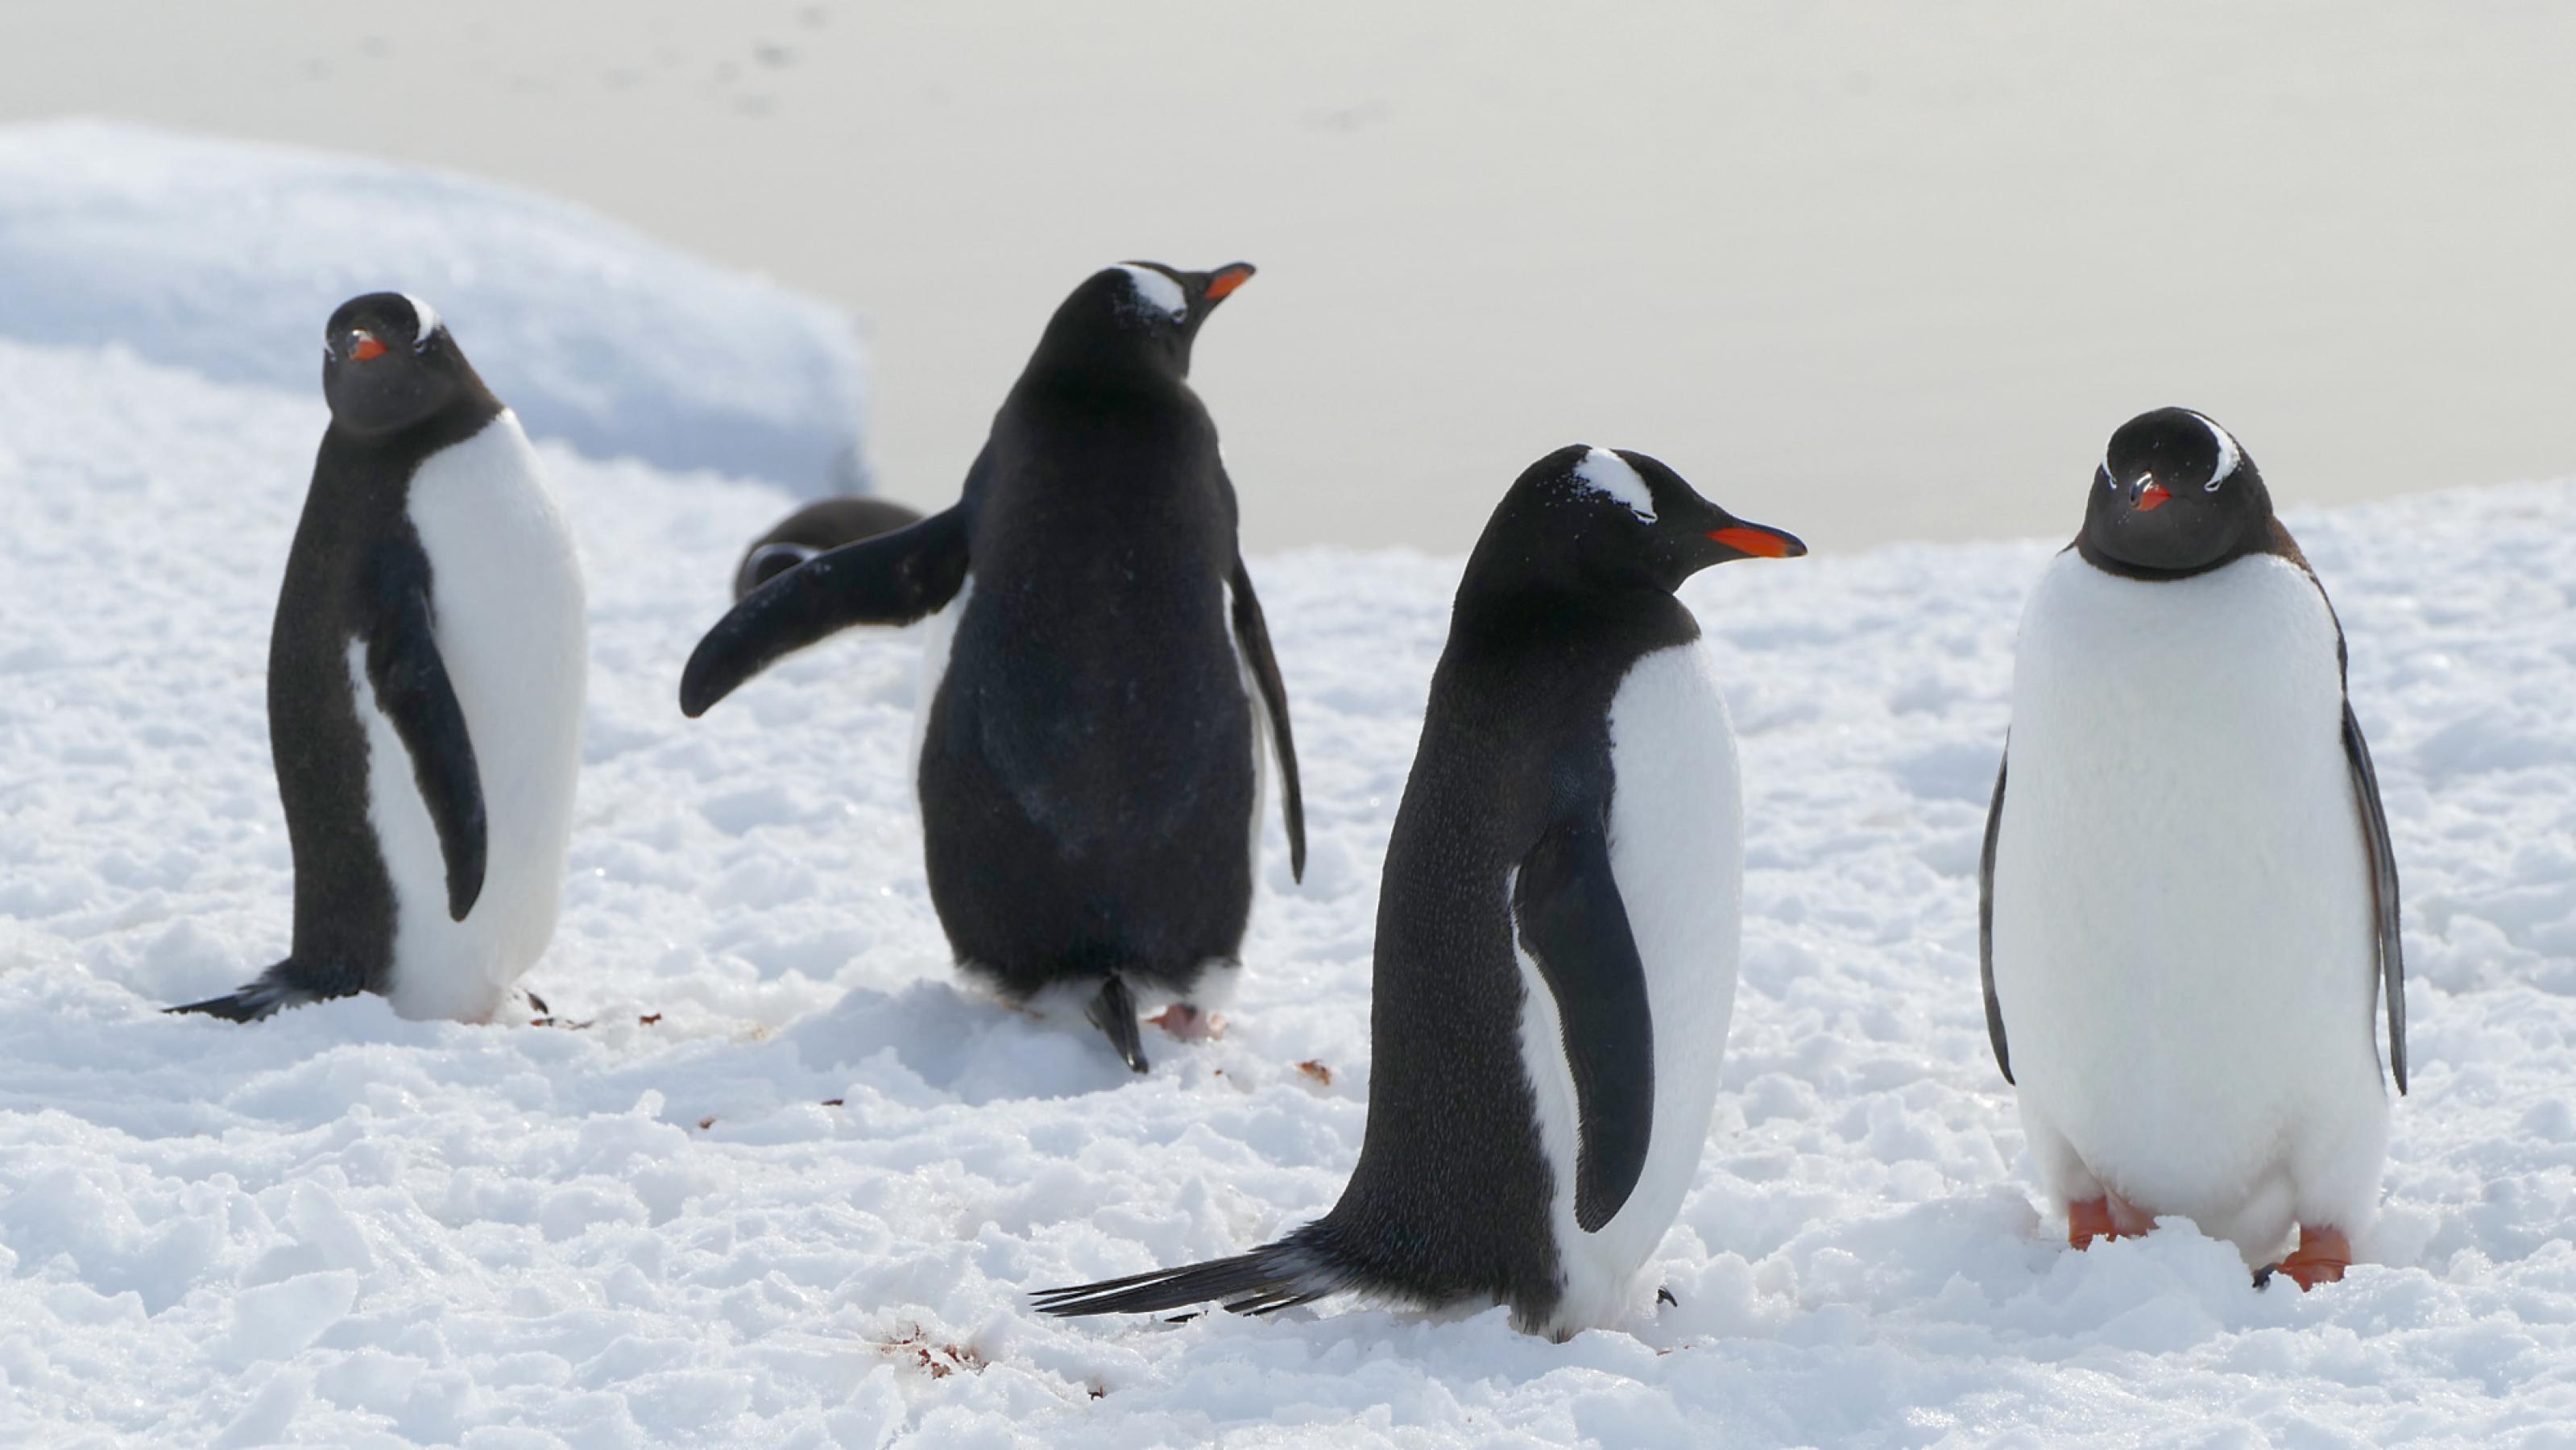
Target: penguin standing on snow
(817, 528)
(425, 680)
(1099, 676)
(1556, 932)
(2188, 903)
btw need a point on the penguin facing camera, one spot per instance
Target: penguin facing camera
(1098, 677)
(1557, 929)
(425, 680)
(817, 528)
(2188, 906)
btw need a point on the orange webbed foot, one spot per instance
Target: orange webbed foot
(2321, 1257)
(1189, 1024)
(2107, 1217)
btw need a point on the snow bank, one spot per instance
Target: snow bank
(225, 258)
(790, 1186)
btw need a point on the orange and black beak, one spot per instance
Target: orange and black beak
(1758, 541)
(1222, 282)
(2148, 495)
(364, 346)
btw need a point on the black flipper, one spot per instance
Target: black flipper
(276, 988)
(1573, 924)
(2383, 891)
(891, 579)
(1253, 634)
(1298, 1269)
(1986, 918)
(1114, 1011)
(412, 689)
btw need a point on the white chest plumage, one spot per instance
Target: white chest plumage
(1677, 853)
(2183, 944)
(507, 599)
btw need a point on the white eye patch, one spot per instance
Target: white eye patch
(2228, 454)
(1605, 472)
(1157, 291)
(428, 316)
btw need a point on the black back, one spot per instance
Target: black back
(354, 553)
(1087, 767)
(1566, 590)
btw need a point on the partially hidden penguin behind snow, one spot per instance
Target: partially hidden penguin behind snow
(1097, 681)
(2188, 911)
(1556, 932)
(425, 679)
(817, 528)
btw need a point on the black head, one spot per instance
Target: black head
(1587, 519)
(2174, 494)
(1137, 315)
(388, 362)
(766, 562)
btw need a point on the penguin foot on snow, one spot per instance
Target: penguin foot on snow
(1189, 1024)
(2321, 1257)
(2107, 1217)
(1114, 1012)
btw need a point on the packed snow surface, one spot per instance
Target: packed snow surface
(789, 1185)
(226, 258)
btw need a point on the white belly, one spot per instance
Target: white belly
(1677, 852)
(506, 593)
(2183, 943)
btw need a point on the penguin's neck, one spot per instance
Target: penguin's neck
(2268, 537)
(1549, 615)
(459, 420)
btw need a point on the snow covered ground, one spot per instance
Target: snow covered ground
(226, 258)
(789, 1186)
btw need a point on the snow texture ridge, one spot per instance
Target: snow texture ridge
(791, 1185)
(226, 258)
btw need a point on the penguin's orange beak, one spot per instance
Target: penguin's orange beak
(1759, 542)
(366, 348)
(2153, 497)
(1221, 285)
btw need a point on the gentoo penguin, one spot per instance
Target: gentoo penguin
(814, 529)
(425, 678)
(2187, 900)
(1097, 680)
(1556, 929)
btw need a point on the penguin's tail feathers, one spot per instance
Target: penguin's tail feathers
(274, 990)
(1113, 1011)
(1298, 1269)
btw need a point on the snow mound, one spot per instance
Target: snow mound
(791, 1184)
(225, 258)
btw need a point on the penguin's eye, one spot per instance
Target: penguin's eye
(2212, 485)
(2107, 480)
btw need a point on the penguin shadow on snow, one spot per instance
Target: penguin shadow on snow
(966, 1044)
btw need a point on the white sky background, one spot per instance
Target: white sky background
(1862, 272)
